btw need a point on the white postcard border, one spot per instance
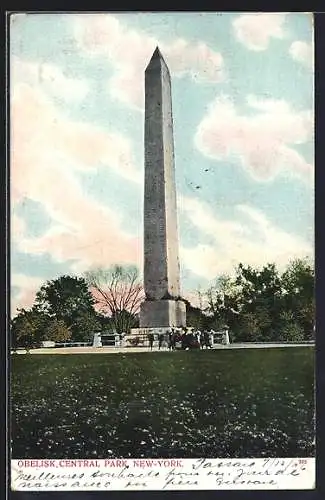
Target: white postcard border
(162, 474)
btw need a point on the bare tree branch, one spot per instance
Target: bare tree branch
(119, 294)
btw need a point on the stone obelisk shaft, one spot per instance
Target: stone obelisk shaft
(161, 259)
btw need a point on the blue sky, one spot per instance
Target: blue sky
(242, 89)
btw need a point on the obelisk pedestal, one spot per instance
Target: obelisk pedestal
(162, 313)
(162, 307)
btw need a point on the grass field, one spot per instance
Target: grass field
(239, 403)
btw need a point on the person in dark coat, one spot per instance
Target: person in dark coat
(160, 340)
(151, 338)
(169, 339)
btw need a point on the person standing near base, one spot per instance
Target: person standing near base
(169, 339)
(160, 340)
(151, 339)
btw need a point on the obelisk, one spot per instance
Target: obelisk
(162, 306)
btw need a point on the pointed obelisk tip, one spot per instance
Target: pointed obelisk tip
(156, 53)
(155, 58)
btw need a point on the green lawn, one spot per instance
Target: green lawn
(235, 403)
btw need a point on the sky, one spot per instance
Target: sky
(243, 100)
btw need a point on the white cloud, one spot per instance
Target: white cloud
(129, 51)
(302, 52)
(27, 289)
(22, 280)
(47, 145)
(49, 78)
(256, 30)
(262, 142)
(254, 240)
(46, 150)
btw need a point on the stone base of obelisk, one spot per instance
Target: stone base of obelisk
(162, 313)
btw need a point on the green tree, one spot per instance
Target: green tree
(68, 299)
(85, 325)
(253, 326)
(259, 286)
(27, 328)
(298, 294)
(224, 300)
(259, 301)
(246, 329)
(57, 331)
(253, 302)
(290, 329)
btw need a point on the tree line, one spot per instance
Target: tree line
(261, 305)
(258, 305)
(73, 308)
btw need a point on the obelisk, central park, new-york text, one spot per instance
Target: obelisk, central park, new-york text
(162, 306)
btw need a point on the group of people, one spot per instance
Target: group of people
(183, 338)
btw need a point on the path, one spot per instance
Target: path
(116, 350)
